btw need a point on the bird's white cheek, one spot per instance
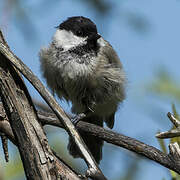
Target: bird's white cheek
(67, 40)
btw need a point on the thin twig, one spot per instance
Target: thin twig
(175, 121)
(5, 146)
(173, 132)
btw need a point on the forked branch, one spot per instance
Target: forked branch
(171, 160)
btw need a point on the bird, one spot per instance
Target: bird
(80, 66)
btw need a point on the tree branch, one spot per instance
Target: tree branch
(4, 140)
(173, 132)
(38, 160)
(171, 160)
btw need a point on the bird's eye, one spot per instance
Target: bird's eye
(79, 33)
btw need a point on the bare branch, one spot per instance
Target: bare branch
(38, 160)
(131, 144)
(4, 140)
(6, 129)
(173, 119)
(94, 170)
(41, 105)
(175, 151)
(170, 160)
(173, 132)
(61, 165)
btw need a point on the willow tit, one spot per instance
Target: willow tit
(81, 67)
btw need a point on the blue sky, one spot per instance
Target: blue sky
(142, 54)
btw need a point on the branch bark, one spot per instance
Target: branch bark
(171, 160)
(93, 169)
(38, 160)
(173, 132)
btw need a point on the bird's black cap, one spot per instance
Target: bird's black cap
(79, 25)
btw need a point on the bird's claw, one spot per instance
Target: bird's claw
(77, 118)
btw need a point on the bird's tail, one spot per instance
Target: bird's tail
(93, 143)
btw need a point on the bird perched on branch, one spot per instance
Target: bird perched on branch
(81, 67)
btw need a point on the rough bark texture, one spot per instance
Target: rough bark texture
(93, 170)
(38, 160)
(171, 160)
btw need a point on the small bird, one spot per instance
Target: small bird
(83, 68)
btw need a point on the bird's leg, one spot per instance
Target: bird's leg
(78, 117)
(87, 113)
(81, 116)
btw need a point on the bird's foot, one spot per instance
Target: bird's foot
(78, 118)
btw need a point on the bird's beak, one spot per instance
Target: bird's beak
(94, 37)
